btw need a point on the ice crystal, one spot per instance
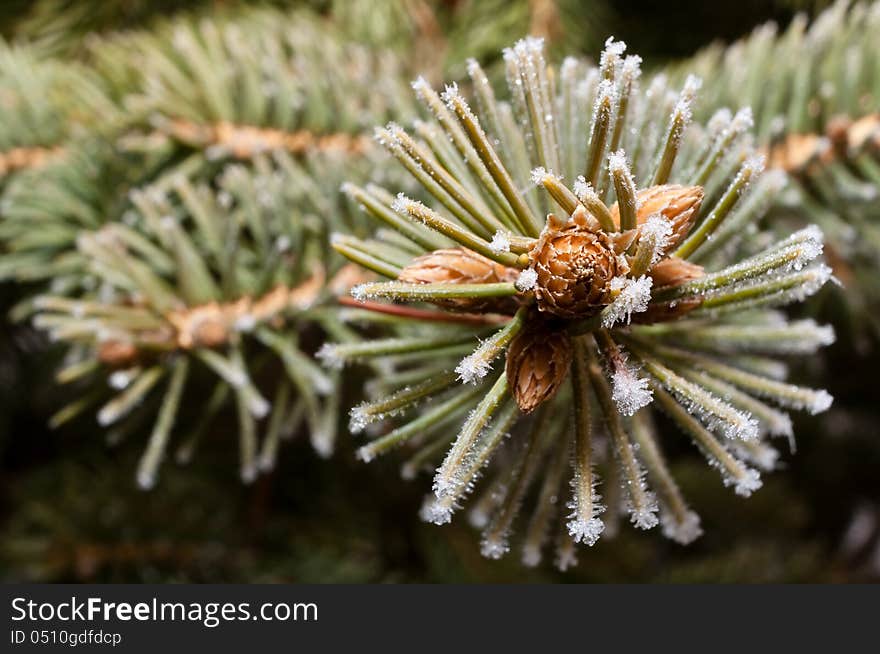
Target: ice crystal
(684, 532)
(629, 391)
(329, 356)
(658, 231)
(745, 485)
(473, 368)
(121, 379)
(360, 293)
(527, 280)
(585, 531)
(494, 548)
(584, 190)
(500, 242)
(633, 297)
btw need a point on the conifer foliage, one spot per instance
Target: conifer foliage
(561, 331)
(227, 225)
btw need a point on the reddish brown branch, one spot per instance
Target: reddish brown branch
(424, 314)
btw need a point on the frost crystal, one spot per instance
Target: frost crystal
(359, 293)
(566, 558)
(821, 400)
(762, 455)
(746, 484)
(531, 555)
(816, 279)
(146, 479)
(358, 419)
(585, 531)
(585, 191)
(645, 517)
(684, 532)
(365, 453)
(420, 85)
(500, 242)
(719, 121)
(494, 548)
(632, 68)
(612, 52)
(633, 298)
(402, 203)
(329, 356)
(539, 174)
(605, 93)
(450, 94)
(742, 121)
(258, 407)
(473, 367)
(248, 473)
(437, 511)
(658, 230)
(617, 162)
(526, 280)
(584, 524)
(629, 391)
(120, 379)
(754, 165)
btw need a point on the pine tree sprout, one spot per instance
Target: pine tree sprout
(548, 347)
(306, 91)
(820, 124)
(208, 296)
(44, 210)
(44, 103)
(263, 82)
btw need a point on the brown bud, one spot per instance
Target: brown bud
(673, 271)
(537, 363)
(575, 266)
(678, 204)
(796, 152)
(460, 266)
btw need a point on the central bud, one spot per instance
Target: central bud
(575, 265)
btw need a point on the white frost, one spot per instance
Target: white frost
(658, 229)
(527, 280)
(586, 531)
(617, 162)
(684, 532)
(629, 391)
(500, 242)
(473, 367)
(494, 548)
(584, 190)
(329, 356)
(633, 298)
(748, 483)
(360, 293)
